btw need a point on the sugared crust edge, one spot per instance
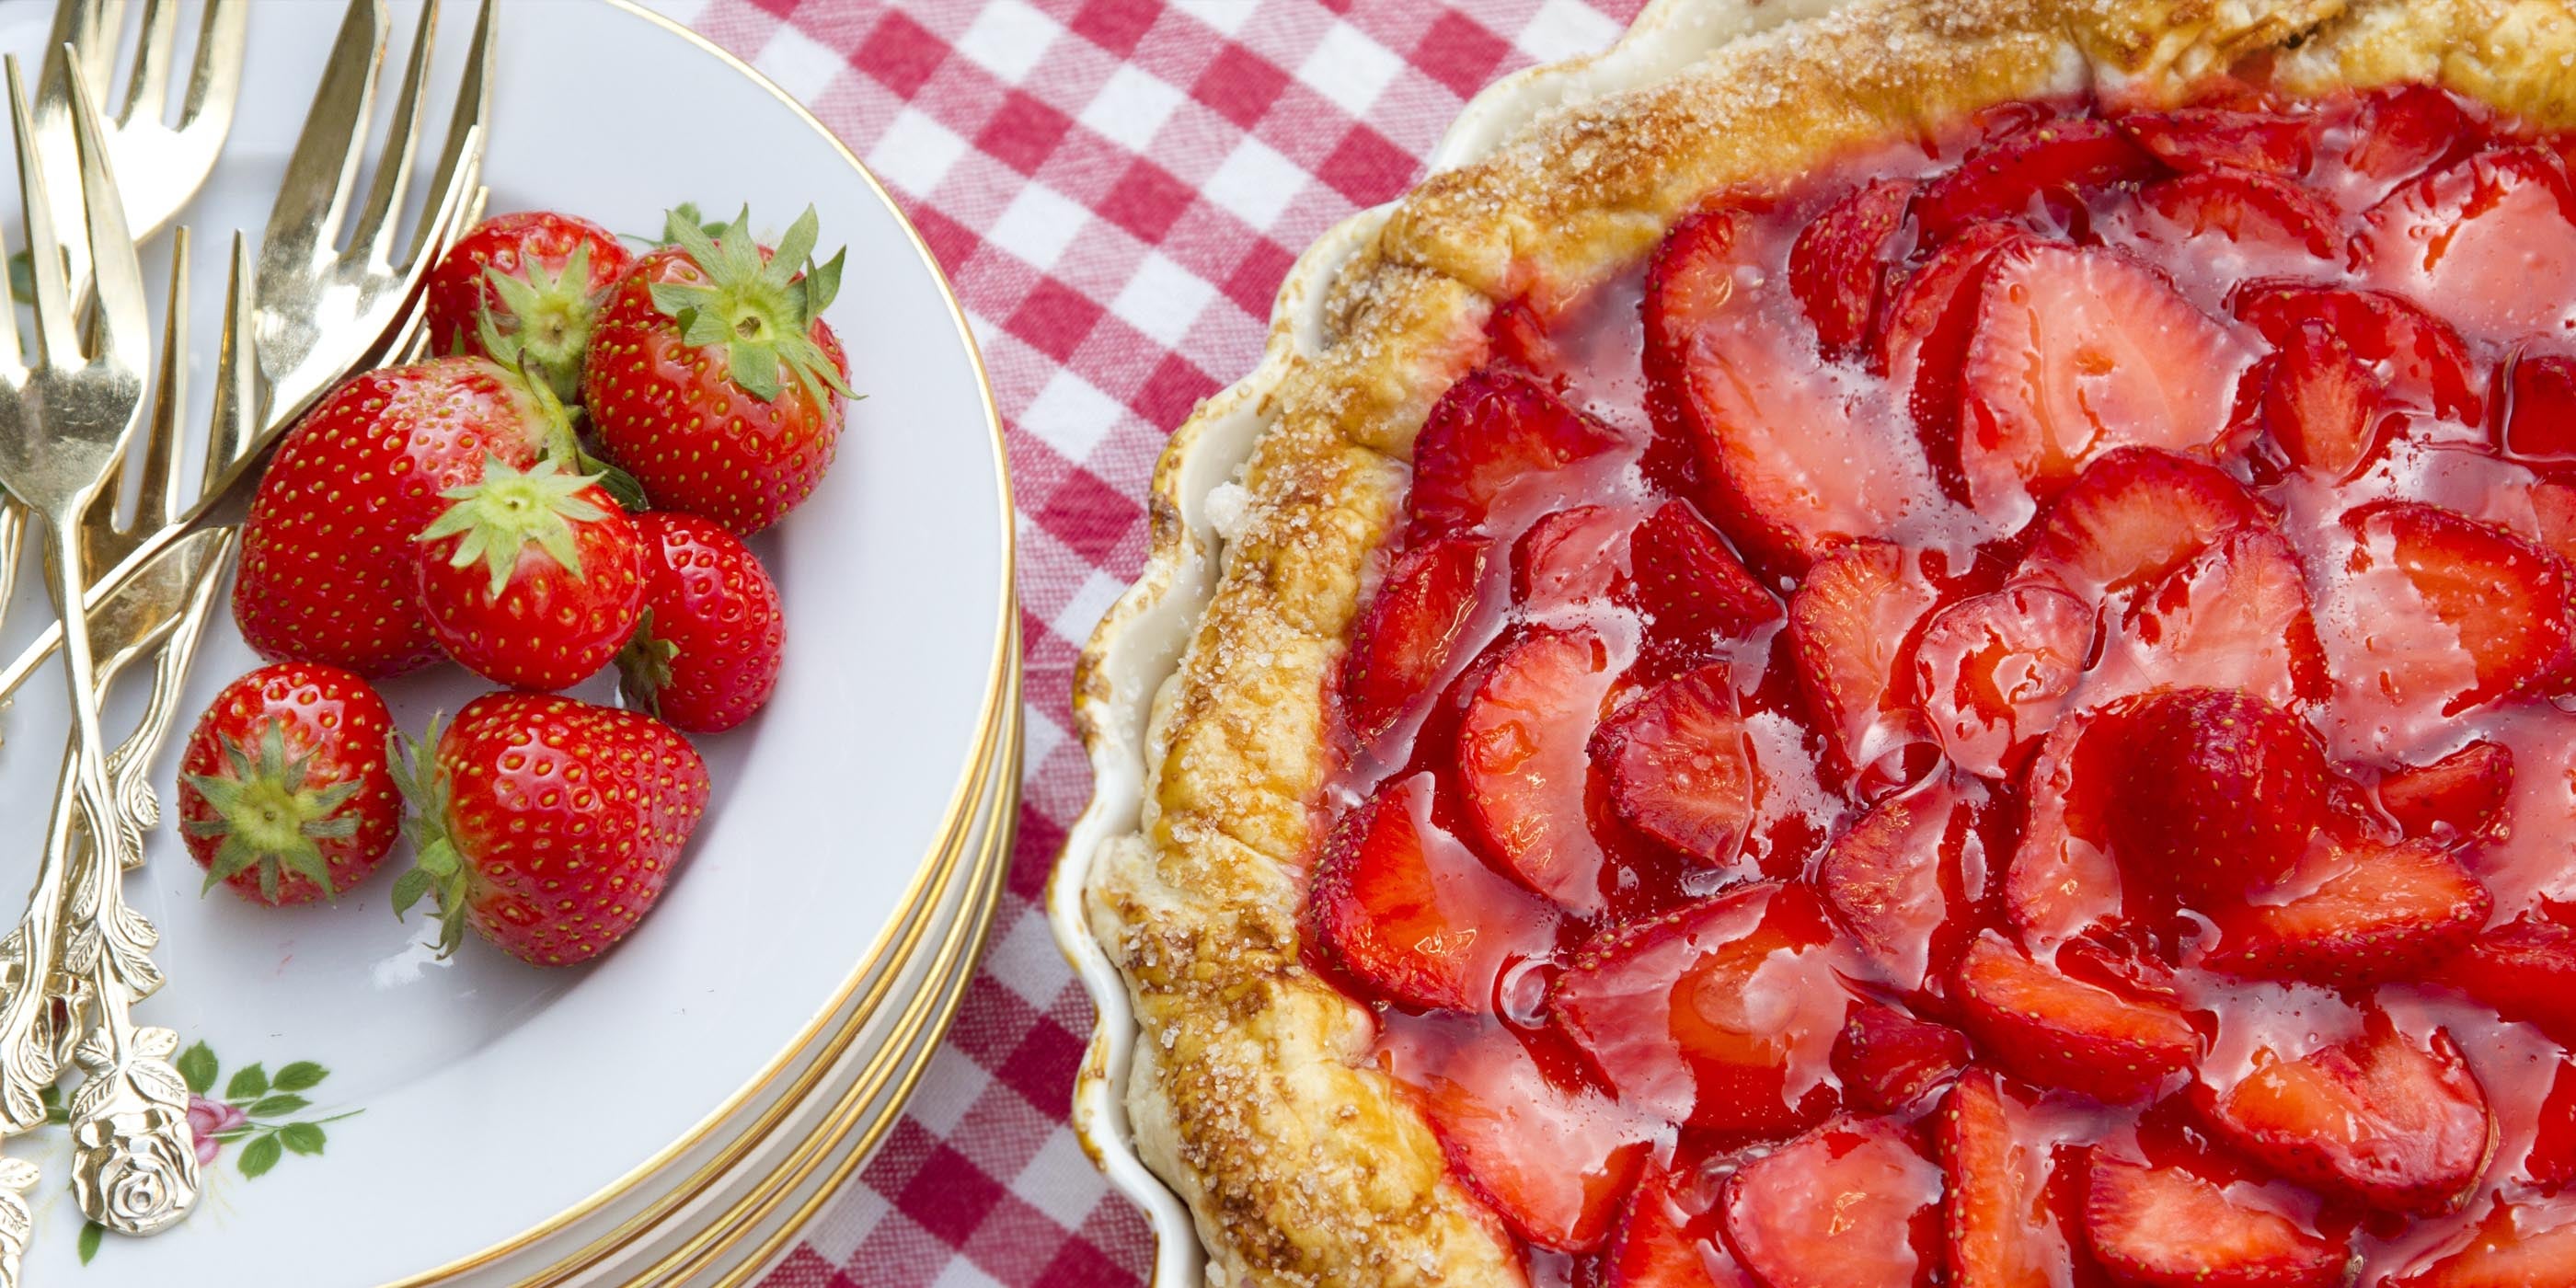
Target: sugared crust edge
(1299, 1166)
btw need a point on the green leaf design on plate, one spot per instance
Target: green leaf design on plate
(275, 1106)
(303, 1138)
(249, 1084)
(260, 1155)
(197, 1064)
(90, 1237)
(303, 1075)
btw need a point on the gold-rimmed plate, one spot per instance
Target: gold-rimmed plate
(467, 1109)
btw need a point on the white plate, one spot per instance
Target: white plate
(491, 1096)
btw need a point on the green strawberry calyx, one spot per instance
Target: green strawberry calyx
(760, 314)
(499, 517)
(271, 816)
(438, 869)
(644, 666)
(543, 322)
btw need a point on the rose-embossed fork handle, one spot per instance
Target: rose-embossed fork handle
(134, 1160)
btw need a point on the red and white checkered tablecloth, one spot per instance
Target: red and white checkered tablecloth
(1116, 188)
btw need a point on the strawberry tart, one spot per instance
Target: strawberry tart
(1940, 650)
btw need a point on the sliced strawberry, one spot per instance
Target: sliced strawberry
(2363, 913)
(2381, 1118)
(1851, 627)
(2519, 1245)
(2403, 128)
(2526, 970)
(1798, 455)
(2219, 792)
(2001, 1230)
(1837, 266)
(2244, 206)
(2078, 351)
(2463, 794)
(2448, 612)
(1894, 878)
(2322, 404)
(1403, 640)
(1554, 1164)
(2062, 1032)
(2134, 516)
(2237, 617)
(2416, 355)
(1848, 1205)
(2553, 506)
(1522, 761)
(1400, 904)
(2056, 160)
(2536, 417)
(1491, 430)
(1889, 1061)
(1570, 556)
(1520, 336)
(2551, 1162)
(2205, 138)
(1693, 591)
(1680, 766)
(2062, 880)
(2490, 240)
(1923, 340)
(1721, 1013)
(2167, 1227)
(1671, 1240)
(1993, 672)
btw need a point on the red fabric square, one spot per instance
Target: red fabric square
(1459, 52)
(1176, 386)
(991, 1020)
(901, 54)
(1023, 132)
(1239, 85)
(1042, 1068)
(1033, 853)
(1254, 283)
(1145, 201)
(1079, 1265)
(950, 1196)
(950, 242)
(1367, 168)
(1089, 515)
(1055, 319)
(1116, 25)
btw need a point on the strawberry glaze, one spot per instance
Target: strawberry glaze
(1672, 813)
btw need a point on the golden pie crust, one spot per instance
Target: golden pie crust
(1249, 1094)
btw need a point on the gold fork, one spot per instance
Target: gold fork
(61, 436)
(162, 164)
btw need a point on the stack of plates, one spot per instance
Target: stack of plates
(673, 1113)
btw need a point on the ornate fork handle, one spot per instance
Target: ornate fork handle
(134, 1157)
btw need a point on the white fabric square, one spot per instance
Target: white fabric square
(1038, 225)
(1061, 1182)
(1349, 68)
(1082, 612)
(915, 153)
(802, 65)
(1008, 38)
(1162, 299)
(1071, 415)
(1130, 107)
(1256, 183)
(1564, 28)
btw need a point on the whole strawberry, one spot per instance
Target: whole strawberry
(532, 578)
(707, 654)
(548, 824)
(326, 564)
(523, 290)
(712, 377)
(284, 793)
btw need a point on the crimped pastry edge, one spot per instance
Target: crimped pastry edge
(1199, 696)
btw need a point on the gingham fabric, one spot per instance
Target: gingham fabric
(1116, 187)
